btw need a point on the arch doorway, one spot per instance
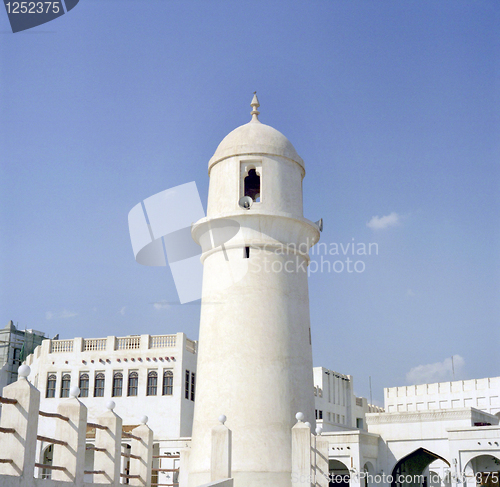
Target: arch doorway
(369, 473)
(339, 474)
(483, 470)
(411, 470)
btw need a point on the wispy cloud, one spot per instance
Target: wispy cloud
(410, 293)
(437, 372)
(382, 222)
(122, 311)
(61, 315)
(161, 305)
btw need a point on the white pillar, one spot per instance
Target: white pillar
(141, 455)
(301, 454)
(183, 467)
(20, 446)
(221, 451)
(73, 432)
(322, 467)
(108, 440)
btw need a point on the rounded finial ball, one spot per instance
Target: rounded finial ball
(222, 418)
(299, 416)
(308, 424)
(74, 391)
(319, 430)
(110, 405)
(143, 420)
(23, 371)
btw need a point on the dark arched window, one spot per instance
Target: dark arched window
(99, 385)
(168, 383)
(65, 383)
(117, 384)
(152, 383)
(133, 381)
(51, 386)
(83, 384)
(252, 185)
(46, 473)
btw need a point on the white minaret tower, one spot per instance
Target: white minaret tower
(255, 359)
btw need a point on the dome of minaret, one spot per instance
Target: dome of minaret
(255, 138)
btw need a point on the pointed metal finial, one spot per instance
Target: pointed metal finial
(255, 104)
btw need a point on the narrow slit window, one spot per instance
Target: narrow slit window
(246, 253)
(252, 185)
(186, 385)
(193, 383)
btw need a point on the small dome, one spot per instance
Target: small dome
(255, 138)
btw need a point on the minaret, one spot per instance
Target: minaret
(254, 359)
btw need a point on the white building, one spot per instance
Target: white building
(482, 394)
(427, 434)
(153, 375)
(15, 346)
(337, 407)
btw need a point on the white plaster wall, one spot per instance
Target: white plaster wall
(483, 394)
(255, 366)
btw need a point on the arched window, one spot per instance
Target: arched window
(252, 185)
(133, 381)
(168, 383)
(83, 384)
(117, 384)
(51, 386)
(65, 383)
(152, 383)
(46, 473)
(99, 385)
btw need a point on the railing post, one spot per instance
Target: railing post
(22, 417)
(144, 345)
(141, 455)
(184, 466)
(322, 468)
(78, 344)
(73, 432)
(220, 463)
(110, 343)
(301, 453)
(108, 448)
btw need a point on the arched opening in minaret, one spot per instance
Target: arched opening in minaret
(252, 185)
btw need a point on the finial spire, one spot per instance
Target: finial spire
(255, 104)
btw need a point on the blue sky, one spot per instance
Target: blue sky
(393, 105)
